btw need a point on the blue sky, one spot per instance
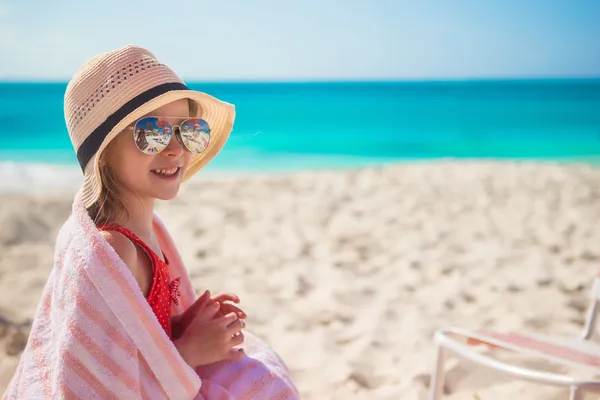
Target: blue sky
(308, 39)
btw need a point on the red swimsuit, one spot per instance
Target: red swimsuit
(162, 291)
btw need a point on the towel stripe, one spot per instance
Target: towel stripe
(102, 358)
(65, 392)
(73, 291)
(39, 348)
(148, 381)
(94, 315)
(76, 367)
(124, 350)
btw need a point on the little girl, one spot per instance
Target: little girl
(118, 317)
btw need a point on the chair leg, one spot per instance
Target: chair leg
(437, 380)
(576, 393)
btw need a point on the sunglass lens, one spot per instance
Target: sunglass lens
(195, 134)
(152, 135)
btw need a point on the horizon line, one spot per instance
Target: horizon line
(333, 80)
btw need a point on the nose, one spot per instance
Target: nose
(175, 148)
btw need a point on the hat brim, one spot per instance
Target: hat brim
(219, 115)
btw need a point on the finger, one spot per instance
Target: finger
(204, 294)
(228, 319)
(238, 339)
(236, 354)
(195, 309)
(209, 311)
(200, 302)
(235, 327)
(229, 308)
(223, 297)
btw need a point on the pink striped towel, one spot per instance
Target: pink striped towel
(95, 337)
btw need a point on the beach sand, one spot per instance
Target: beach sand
(347, 274)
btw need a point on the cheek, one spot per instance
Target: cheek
(132, 167)
(136, 166)
(187, 157)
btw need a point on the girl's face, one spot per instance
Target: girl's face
(139, 173)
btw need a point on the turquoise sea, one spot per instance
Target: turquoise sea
(287, 126)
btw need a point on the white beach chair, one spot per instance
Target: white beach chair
(580, 352)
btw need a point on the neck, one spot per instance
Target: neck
(140, 212)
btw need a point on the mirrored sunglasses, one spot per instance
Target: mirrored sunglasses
(153, 134)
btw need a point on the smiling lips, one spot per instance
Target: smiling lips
(166, 171)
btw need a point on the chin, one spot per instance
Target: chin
(165, 192)
(167, 195)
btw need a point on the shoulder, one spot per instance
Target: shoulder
(140, 267)
(122, 246)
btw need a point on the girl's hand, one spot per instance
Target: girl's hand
(227, 308)
(208, 338)
(179, 323)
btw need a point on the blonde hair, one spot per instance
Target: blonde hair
(109, 207)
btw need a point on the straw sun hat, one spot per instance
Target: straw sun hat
(113, 90)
